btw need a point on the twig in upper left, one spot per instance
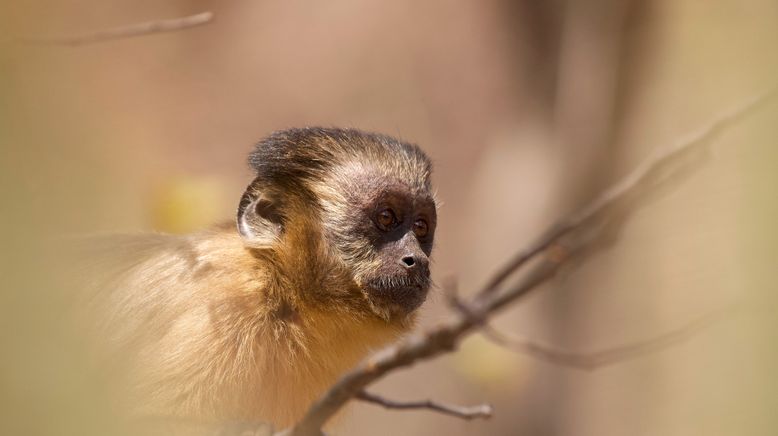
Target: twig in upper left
(128, 31)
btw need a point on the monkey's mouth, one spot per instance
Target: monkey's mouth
(399, 295)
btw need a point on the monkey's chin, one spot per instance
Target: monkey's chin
(395, 303)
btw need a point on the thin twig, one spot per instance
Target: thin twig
(558, 248)
(602, 358)
(583, 361)
(128, 31)
(464, 412)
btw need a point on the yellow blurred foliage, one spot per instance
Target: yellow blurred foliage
(485, 363)
(184, 204)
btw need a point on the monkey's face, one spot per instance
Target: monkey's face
(401, 230)
(359, 204)
(387, 238)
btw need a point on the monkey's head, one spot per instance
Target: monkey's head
(354, 210)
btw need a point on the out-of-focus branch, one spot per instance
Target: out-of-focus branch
(648, 173)
(128, 31)
(584, 361)
(464, 412)
(576, 236)
(606, 357)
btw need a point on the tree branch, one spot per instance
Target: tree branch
(647, 173)
(571, 239)
(464, 412)
(606, 357)
(128, 31)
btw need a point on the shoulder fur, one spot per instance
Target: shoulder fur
(205, 330)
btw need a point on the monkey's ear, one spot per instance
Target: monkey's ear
(259, 220)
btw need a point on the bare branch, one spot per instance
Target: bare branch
(570, 240)
(128, 31)
(464, 412)
(641, 177)
(609, 356)
(584, 361)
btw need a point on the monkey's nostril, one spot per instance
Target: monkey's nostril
(408, 261)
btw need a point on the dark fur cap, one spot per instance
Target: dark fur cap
(294, 158)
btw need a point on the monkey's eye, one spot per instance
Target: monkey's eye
(420, 228)
(386, 219)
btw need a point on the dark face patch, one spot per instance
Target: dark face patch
(389, 237)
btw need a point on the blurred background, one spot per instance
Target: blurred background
(528, 109)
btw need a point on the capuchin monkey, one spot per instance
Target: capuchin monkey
(252, 321)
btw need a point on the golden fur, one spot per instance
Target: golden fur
(206, 330)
